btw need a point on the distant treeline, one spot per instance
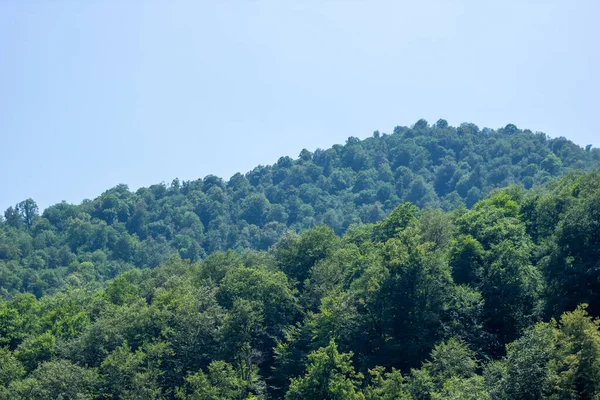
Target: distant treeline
(359, 182)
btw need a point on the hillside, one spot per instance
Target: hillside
(494, 302)
(359, 182)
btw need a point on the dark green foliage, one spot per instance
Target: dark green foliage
(467, 260)
(574, 264)
(297, 254)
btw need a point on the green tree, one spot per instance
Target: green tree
(552, 164)
(399, 219)
(386, 386)
(133, 375)
(28, 210)
(467, 260)
(36, 349)
(221, 382)
(579, 337)
(10, 367)
(457, 388)
(296, 255)
(574, 264)
(58, 379)
(452, 359)
(329, 375)
(530, 371)
(12, 216)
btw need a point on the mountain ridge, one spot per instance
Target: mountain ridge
(361, 181)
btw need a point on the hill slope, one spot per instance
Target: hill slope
(421, 305)
(361, 181)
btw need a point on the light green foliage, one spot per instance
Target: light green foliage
(66, 315)
(55, 380)
(10, 324)
(36, 349)
(494, 375)
(421, 385)
(551, 164)
(337, 319)
(386, 386)
(10, 367)
(579, 355)
(550, 361)
(398, 220)
(129, 375)
(451, 359)
(329, 375)
(436, 227)
(220, 382)
(457, 388)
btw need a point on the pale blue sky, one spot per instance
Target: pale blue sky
(96, 93)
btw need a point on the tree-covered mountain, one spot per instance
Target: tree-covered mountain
(499, 301)
(359, 182)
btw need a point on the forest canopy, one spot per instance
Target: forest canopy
(378, 275)
(362, 181)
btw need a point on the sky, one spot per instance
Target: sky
(96, 93)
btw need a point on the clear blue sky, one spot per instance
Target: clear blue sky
(96, 93)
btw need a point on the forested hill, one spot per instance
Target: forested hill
(359, 182)
(499, 302)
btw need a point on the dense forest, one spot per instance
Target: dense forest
(360, 182)
(432, 263)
